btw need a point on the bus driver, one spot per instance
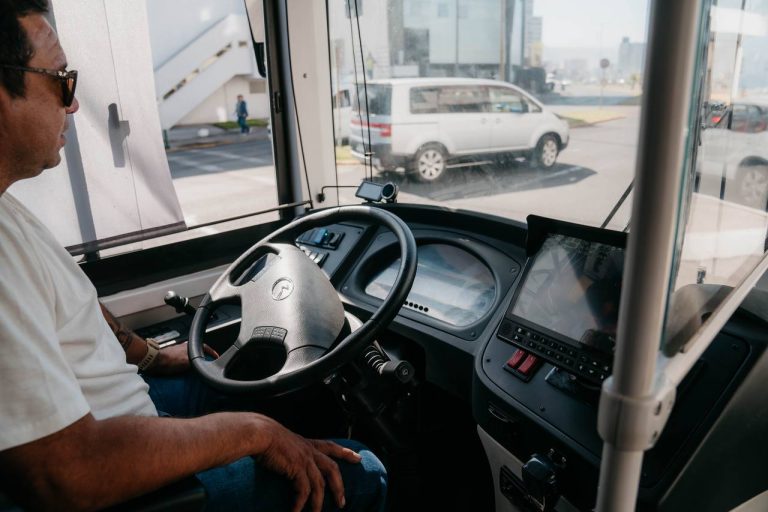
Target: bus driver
(78, 426)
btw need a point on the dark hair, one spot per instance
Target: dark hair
(15, 48)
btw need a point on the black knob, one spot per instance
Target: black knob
(179, 303)
(540, 480)
(400, 370)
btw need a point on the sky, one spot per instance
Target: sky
(591, 23)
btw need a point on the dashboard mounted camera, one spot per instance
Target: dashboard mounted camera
(377, 192)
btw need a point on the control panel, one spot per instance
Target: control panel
(592, 366)
(328, 246)
(317, 243)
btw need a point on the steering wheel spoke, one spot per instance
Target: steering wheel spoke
(288, 303)
(224, 291)
(224, 359)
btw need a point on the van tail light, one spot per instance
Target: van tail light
(385, 129)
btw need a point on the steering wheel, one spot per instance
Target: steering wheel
(290, 308)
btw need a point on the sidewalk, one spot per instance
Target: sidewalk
(585, 116)
(208, 135)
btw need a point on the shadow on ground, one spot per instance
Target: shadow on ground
(220, 158)
(489, 180)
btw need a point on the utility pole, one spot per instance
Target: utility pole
(456, 48)
(503, 40)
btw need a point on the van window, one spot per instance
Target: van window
(424, 100)
(504, 99)
(449, 99)
(462, 99)
(379, 99)
(341, 99)
(748, 119)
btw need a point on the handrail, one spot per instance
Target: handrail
(633, 406)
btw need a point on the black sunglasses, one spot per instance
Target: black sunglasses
(68, 80)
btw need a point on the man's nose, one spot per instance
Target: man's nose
(74, 107)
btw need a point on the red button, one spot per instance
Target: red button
(516, 358)
(528, 365)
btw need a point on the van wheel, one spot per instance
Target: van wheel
(430, 162)
(752, 186)
(545, 154)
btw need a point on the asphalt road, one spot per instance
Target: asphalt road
(591, 174)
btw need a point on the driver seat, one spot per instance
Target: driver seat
(187, 495)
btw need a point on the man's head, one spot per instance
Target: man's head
(239, 97)
(33, 117)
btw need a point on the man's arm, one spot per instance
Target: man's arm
(134, 345)
(93, 464)
(169, 361)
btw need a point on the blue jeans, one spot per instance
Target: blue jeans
(244, 484)
(242, 121)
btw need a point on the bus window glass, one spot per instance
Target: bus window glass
(186, 108)
(726, 223)
(508, 107)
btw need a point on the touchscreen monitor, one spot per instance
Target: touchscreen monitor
(572, 288)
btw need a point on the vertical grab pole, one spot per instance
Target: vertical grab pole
(667, 120)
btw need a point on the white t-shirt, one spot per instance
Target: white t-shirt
(58, 356)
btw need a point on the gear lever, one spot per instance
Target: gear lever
(179, 303)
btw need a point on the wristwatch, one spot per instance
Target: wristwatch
(153, 350)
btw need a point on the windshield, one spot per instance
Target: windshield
(507, 107)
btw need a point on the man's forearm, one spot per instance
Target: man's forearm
(134, 345)
(92, 464)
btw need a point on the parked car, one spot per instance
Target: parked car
(735, 147)
(423, 125)
(553, 83)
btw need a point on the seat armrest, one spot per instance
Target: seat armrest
(186, 495)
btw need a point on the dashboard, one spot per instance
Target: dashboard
(520, 322)
(530, 311)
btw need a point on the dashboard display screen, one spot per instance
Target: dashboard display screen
(451, 285)
(573, 289)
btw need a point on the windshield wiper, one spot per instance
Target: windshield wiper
(618, 204)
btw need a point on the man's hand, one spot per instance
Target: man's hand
(175, 359)
(306, 462)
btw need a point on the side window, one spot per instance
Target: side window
(462, 99)
(171, 141)
(507, 100)
(504, 99)
(740, 119)
(756, 120)
(341, 99)
(424, 100)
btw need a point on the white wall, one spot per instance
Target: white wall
(172, 28)
(184, 40)
(220, 106)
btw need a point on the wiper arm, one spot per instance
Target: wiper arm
(618, 204)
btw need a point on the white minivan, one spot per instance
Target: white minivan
(424, 125)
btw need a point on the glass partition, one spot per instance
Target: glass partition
(726, 225)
